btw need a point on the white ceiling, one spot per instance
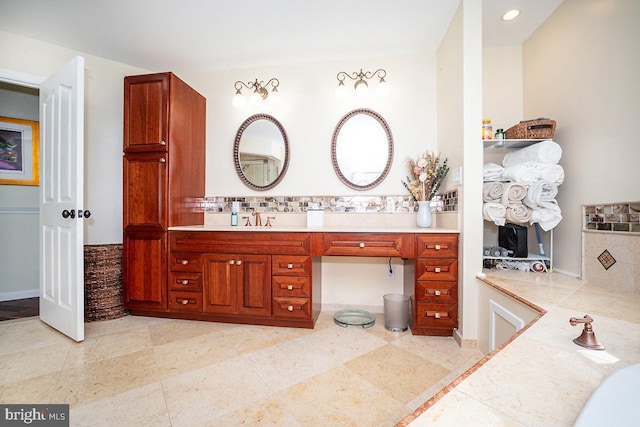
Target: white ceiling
(204, 35)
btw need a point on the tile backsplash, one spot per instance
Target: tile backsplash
(624, 217)
(445, 202)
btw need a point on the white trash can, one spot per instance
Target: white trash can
(396, 312)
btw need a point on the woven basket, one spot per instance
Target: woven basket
(532, 129)
(103, 282)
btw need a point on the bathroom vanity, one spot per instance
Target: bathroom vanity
(273, 277)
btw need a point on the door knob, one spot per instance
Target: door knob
(68, 214)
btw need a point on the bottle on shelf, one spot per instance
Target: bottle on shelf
(487, 129)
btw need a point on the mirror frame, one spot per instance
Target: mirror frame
(334, 142)
(236, 151)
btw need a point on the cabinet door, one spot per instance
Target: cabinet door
(254, 285)
(144, 274)
(146, 112)
(144, 192)
(219, 287)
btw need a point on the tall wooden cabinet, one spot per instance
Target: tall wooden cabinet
(163, 179)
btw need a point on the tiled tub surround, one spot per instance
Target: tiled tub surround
(611, 246)
(540, 377)
(446, 202)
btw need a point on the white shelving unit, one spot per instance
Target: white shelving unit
(503, 146)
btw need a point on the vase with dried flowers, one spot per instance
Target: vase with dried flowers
(426, 175)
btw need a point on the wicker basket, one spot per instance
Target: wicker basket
(103, 282)
(532, 129)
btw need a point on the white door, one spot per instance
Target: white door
(61, 199)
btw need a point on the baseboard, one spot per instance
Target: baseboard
(10, 296)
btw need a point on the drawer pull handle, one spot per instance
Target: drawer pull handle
(437, 269)
(290, 287)
(163, 143)
(239, 262)
(231, 262)
(437, 293)
(185, 301)
(289, 266)
(290, 308)
(436, 315)
(185, 262)
(437, 247)
(185, 282)
(163, 160)
(362, 245)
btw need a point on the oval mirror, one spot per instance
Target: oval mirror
(362, 149)
(261, 152)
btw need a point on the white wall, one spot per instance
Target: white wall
(309, 113)
(103, 125)
(581, 68)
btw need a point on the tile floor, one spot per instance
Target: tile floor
(139, 371)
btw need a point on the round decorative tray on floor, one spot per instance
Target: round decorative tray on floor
(346, 318)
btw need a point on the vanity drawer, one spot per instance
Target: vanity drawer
(284, 286)
(287, 265)
(436, 269)
(437, 315)
(436, 292)
(185, 281)
(363, 244)
(185, 301)
(185, 261)
(437, 246)
(292, 308)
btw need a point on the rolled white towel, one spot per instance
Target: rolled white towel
(518, 213)
(513, 192)
(547, 217)
(492, 191)
(524, 173)
(547, 151)
(492, 172)
(551, 173)
(540, 192)
(494, 212)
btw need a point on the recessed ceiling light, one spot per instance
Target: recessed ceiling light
(511, 14)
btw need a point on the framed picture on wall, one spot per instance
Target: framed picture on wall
(19, 152)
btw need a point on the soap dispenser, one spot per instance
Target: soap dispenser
(234, 213)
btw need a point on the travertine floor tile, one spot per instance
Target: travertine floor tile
(401, 380)
(140, 407)
(269, 412)
(341, 398)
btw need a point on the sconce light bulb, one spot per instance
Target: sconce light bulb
(256, 98)
(238, 100)
(362, 88)
(383, 87)
(275, 97)
(341, 90)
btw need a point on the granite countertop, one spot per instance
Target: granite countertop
(540, 377)
(305, 229)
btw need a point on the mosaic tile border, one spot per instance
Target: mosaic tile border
(624, 217)
(445, 202)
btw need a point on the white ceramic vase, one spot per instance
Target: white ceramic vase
(424, 217)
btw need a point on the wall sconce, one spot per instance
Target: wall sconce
(361, 86)
(260, 92)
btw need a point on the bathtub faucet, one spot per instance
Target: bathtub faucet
(587, 338)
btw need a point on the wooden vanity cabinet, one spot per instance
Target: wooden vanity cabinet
(435, 307)
(237, 284)
(262, 278)
(163, 181)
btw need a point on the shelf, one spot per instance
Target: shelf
(508, 144)
(531, 257)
